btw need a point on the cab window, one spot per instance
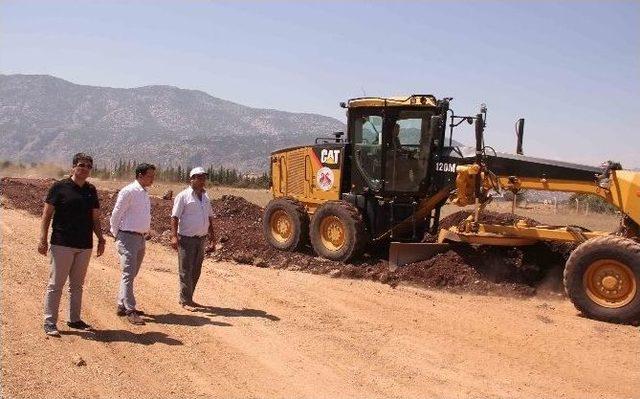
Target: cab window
(368, 148)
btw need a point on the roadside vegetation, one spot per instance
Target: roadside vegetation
(255, 190)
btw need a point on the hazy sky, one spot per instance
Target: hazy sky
(572, 68)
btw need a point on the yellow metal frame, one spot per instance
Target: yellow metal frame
(489, 234)
(415, 100)
(293, 174)
(623, 191)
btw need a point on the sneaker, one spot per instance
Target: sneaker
(134, 318)
(79, 325)
(51, 330)
(122, 311)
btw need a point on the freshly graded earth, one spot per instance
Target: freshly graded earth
(274, 331)
(511, 271)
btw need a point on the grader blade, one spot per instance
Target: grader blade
(401, 253)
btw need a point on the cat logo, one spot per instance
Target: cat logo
(330, 157)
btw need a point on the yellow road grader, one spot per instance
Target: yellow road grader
(387, 180)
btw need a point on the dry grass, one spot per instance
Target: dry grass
(257, 196)
(566, 215)
(38, 171)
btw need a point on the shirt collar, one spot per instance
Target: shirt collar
(70, 181)
(191, 191)
(137, 185)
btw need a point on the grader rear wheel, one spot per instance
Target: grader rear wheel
(337, 231)
(281, 226)
(602, 279)
(286, 224)
(333, 233)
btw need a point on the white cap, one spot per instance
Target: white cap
(197, 171)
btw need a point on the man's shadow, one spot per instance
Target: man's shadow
(183, 320)
(229, 312)
(146, 338)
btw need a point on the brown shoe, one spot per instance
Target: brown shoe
(134, 318)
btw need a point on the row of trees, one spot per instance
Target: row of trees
(126, 169)
(217, 176)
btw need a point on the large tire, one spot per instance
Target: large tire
(285, 224)
(602, 279)
(338, 231)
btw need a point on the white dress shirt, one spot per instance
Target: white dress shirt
(132, 211)
(193, 214)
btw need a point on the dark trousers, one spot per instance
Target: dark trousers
(190, 257)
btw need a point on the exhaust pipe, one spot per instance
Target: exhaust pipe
(519, 135)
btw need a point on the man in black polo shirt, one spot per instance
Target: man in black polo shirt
(73, 204)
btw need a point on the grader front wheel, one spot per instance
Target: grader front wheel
(602, 279)
(337, 231)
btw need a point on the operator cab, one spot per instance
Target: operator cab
(392, 142)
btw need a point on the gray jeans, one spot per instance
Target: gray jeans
(131, 249)
(190, 257)
(71, 263)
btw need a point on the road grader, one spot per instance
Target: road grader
(386, 181)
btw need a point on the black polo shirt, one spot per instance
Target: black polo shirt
(73, 217)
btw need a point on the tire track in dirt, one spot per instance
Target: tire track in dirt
(280, 333)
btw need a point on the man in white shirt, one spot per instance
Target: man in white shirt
(191, 221)
(130, 223)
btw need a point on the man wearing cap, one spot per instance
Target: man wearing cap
(191, 221)
(130, 223)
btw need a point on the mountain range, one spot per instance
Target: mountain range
(47, 119)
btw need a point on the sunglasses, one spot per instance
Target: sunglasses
(84, 165)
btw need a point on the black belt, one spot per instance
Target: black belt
(199, 237)
(132, 232)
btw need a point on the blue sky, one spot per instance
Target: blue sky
(572, 69)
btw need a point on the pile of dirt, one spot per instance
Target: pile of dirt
(27, 194)
(238, 227)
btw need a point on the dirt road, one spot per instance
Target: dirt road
(278, 333)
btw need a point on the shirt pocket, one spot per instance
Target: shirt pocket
(191, 206)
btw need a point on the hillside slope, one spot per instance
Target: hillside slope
(43, 118)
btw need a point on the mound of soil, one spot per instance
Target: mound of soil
(238, 226)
